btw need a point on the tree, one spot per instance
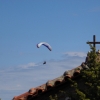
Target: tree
(89, 86)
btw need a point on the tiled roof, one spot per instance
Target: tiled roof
(51, 83)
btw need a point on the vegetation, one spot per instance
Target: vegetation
(89, 86)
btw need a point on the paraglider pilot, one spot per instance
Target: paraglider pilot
(44, 62)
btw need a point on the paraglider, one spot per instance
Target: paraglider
(45, 44)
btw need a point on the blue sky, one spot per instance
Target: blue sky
(66, 25)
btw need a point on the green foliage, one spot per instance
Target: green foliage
(89, 88)
(91, 79)
(55, 97)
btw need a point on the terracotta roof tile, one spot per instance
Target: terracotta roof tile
(21, 97)
(51, 83)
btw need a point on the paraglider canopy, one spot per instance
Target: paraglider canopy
(45, 44)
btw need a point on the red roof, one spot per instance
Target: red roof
(51, 83)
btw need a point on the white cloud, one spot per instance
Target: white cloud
(20, 79)
(27, 65)
(80, 54)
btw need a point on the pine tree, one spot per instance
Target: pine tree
(90, 89)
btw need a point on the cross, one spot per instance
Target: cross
(94, 42)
